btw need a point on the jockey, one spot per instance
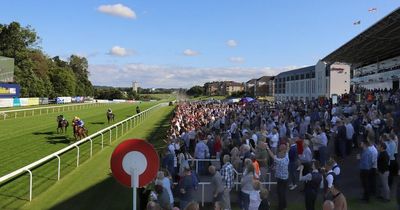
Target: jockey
(109, 111)
(79, 122)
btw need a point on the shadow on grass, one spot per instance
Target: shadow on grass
(44, 133)
(97, 123)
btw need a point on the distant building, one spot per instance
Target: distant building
(264, 87)
(250, 87)
(135, 86)
(222, 88)
(321, 80)
(229, 87)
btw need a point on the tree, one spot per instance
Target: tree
(36, 73)
(195, 91)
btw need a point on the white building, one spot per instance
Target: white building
(135, 86)
(308, 83)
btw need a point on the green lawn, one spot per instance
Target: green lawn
(91, 185)
(25, 140)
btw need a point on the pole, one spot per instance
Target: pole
(134, 184)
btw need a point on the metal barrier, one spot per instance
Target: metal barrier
(129, 122)
(237, 174)
(8, 114)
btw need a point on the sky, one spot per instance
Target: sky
(181, 43)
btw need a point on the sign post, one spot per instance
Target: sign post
(130, 164)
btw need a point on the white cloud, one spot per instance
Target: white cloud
(172, 76)
(231, 43)
(190, 52)
(117, 10)
(120, 51)
(236, 59)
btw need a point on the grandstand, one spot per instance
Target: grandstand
(374, 55)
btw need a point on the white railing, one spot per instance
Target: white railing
(8, 114)
(236, 183)
(127, 123)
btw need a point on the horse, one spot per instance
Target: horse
(110, 117)
(62, 125)
(80, 132)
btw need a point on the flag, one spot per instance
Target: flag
(374, 9)
(358, 22)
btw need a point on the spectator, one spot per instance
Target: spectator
(151, 205)
(227, 178)
(383, 172)
(349, 136)
(306, 157)
(373, 170)
(246, 186)
(192, 206)
(264, 205)
(216, 184)
(166, 184)
(201, 152)
(281, 173)
(255, 198)
(328, 205)
(313, 181)
(163, 198)
(365, 166)
(219, 206)
(187, 186)
(339, 200)
(293, 160)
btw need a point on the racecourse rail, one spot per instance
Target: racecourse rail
(31, 112)
(128, 123)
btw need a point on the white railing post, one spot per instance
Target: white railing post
(59, 167)
(110, 135)
(16, 115)
(24, 113)
(91, 147)
(122, 129)
(30, 184)
(116, 132)
(202, 195)
(77, 155)
(102, 140)
(197, 166)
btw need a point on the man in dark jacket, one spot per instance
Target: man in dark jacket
(383, 169)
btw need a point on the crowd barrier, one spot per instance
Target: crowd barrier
(124, 125)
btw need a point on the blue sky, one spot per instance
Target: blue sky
(177, 43)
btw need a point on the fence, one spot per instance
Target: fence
(45, 110)
(126, 124)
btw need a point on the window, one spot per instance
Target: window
(292, 78)
(297, 77)
(313, 75)
(302, 76)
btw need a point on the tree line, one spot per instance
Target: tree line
(38, 74)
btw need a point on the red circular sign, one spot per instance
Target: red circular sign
(144, 156)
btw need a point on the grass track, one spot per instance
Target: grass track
(25, 140)
(90, 186)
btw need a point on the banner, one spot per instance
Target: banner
(33, 101)
(63, 100)
(24, 101)
(78, 99)
(6, 102)
(43, 101)
(9, 90)
(16, 102)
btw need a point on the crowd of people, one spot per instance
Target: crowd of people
(300, 144)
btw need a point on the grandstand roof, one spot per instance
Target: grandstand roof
(379, 42)
(297, 71)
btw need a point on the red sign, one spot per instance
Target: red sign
(134, 155)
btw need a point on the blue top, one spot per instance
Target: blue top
(366, 159)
